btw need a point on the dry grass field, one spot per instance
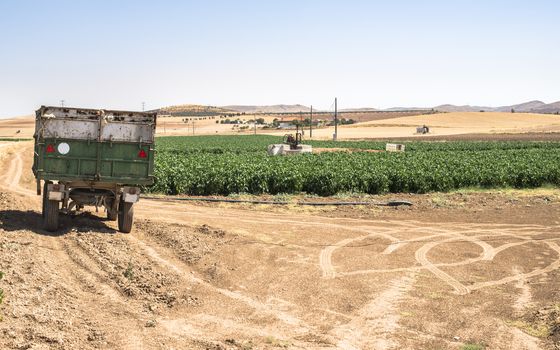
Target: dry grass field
(443, 124)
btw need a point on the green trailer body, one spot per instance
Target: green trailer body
(92, 154)
(115, 162)
(92, 157)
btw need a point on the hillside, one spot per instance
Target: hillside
(522, 107)
(267, 109)
(526, 107)
(192, 110)
(549, 108)
(464, 108)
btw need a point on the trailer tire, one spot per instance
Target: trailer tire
(45, 188)
(50, 220)
(126, 216)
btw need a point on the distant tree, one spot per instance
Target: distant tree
(512, 110)
(260, 121)
(217, 121)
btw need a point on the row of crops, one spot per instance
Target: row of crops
(239, 164)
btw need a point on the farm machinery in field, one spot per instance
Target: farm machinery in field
(291, 144)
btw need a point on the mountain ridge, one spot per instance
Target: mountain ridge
(534, 106)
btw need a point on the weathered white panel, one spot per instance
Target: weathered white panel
(127, 132)
(70, 129)
(83, 124)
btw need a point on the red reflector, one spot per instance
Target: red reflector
(142, 154)
(50, 149)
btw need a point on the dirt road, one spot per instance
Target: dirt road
(194, 276)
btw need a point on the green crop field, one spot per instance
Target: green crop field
(208, 165)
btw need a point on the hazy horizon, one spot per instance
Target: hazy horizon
(367, 53)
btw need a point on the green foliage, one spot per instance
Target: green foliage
(13, 140)
(129, 272)
(470, 346)
(1, 290)
(209, 165)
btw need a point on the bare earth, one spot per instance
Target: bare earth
(454, 269)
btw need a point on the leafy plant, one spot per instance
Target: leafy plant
(1, 292)
(471, 346)
(129, 272)
(223, 165)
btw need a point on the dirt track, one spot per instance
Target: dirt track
(476, 268)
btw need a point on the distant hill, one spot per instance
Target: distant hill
(465, 108)
(522, 107)
(201, 110)
(531, 106)
(364, 109)
(549, 108)
(192, 110)
(268, 109)
(397, 109)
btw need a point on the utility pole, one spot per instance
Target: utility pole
(143, 106)
(255, 123)
(193, 126)
(301, 122)
(311, 122)
(61, 103)
(335, 121)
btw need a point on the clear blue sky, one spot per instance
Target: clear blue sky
(116, 54)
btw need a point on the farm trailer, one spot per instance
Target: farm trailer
(92, 157)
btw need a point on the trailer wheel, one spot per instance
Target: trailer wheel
(45, 199)
(126, 216)
(50, 219)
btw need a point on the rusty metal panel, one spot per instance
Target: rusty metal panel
(70, 129)
(117, 131)
(94, 124)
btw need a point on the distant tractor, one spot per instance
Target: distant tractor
(291, 144)
(422, 129)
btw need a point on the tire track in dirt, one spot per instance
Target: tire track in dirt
(376, 322)
(113, 314)
(325, 256)
(523, 301)
(11, 179)
(553, 266)
(93, 276)
(296, 324)
(421, 257)
(488, 254)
